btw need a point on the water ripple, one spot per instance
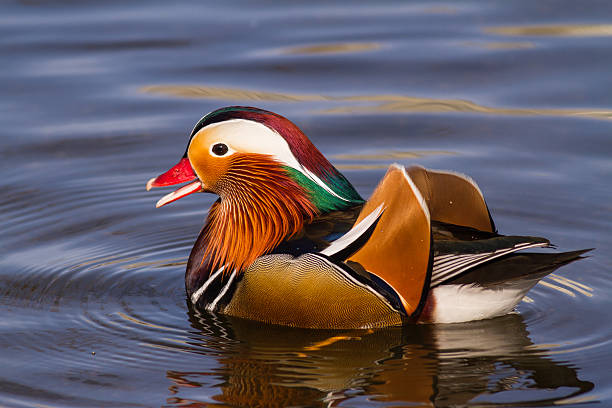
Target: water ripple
(338, 48)
(101, 96)
(554, 30)
(384, 103)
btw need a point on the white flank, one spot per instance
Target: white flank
(354, 233)
(247, 136)
(195, 296)
(463, 303)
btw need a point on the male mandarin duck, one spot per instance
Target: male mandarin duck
(291, 242)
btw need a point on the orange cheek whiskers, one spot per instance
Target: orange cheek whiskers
(260, 206)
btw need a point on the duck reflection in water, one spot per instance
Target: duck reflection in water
(421, 365)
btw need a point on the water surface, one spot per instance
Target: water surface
(97, 97)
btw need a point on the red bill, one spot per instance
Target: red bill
(180, 173)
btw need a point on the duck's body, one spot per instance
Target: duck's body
(291, 242)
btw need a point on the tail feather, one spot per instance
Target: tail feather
(456, 258)
(494, 289)
(517, 267)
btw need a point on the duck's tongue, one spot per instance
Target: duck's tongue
(180, 173)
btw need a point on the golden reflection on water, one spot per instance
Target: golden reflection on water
(111, 260)
(392, 155)
(572, 284)
(557, 288)
(554, 30)
(563, 285)
(579, 400)
(102, 262)
(386, 156)
(501, 45)
(162, 263)
(208, 92)
(140, 322)
(376, 103)
(333, 339)
(345, 167)
(406, 104)
(336, 48)
(567, 286)
(420, 365)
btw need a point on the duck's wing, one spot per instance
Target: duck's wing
(515, 268)
(452, 198)
(454, 258)
(399, 250)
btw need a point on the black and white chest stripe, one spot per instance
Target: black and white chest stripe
(216, 291)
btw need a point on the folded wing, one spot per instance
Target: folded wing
(400, 248)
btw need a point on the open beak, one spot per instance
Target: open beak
(180, 173)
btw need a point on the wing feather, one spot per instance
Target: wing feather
(449, 266)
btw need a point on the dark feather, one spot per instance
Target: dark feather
(453, 259)
(320, 232)
(480, 246)
(443, 231)
(516, 267)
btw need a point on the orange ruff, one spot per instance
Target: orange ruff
(260, 206)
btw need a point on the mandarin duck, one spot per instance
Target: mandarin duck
(289, 241)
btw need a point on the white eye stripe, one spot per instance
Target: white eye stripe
(241, 135)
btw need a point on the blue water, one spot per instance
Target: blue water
(97, 97)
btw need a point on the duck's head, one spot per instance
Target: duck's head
(236, 148)
(270, 178)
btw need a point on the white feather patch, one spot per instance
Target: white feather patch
(463, 303)
(415, 190)
(196, 295)
(354, 233)
(212, 305)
